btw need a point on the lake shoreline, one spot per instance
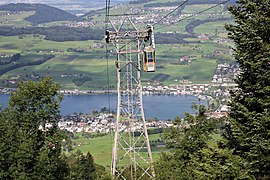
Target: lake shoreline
(160, 106)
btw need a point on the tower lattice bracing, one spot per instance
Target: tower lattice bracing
(131, 156)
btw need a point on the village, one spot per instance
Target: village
(103, 123)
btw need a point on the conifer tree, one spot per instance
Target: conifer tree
(249, 132)
(81, 166)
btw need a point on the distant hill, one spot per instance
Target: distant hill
(43, 13)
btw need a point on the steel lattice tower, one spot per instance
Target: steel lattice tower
(131, 156)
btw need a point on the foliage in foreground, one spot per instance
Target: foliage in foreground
(248, 133)
(196, 154)
(31, 142)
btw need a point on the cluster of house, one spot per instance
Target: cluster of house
(79, 24)
(98, 45)
(8, 13)
(86, 123)
(73, 75)
(6, 55)
(226, 73)
(187, 89)
(41, 51)
(154, 14)
(6, 90)
(103, 123)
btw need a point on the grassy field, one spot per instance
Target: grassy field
(211, 27)
(92, 62)
(16, 20)
(101, 148)
(202, 7)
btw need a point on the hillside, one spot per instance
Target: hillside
(43, 13)
(187, 51)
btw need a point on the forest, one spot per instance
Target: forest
(56, 33)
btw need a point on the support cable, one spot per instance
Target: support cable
(107, 9)
(107, 54)
(171, 12)
(195, 14)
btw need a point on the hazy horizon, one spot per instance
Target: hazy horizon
(75, 6)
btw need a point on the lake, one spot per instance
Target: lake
(160, 106)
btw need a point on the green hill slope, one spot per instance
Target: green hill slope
(43, 13)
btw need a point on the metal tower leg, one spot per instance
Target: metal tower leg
(131, 155)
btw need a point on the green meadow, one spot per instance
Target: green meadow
(16, 20)
(202, 7)
(92, 61)
(211, 27)
(101, 147)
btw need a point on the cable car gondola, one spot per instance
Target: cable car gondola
(149, 54)
(149, 59)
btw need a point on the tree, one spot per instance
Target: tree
(31, 133)
(217, 162)
(31, 142)
(248, 134)
(187, 138)
(7, 139)
(82, 167)
(15, 57)
(196, 154)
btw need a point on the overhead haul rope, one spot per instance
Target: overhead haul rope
(108, 2)
(107, 59)
(171, 11)
(195, 14)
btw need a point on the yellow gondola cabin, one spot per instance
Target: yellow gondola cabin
(149, 59)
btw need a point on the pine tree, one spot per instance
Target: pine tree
(7, 139)
(87, 167)
(249, 133)
(81, 166)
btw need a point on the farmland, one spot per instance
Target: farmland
(83, 64)
(101, 147)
